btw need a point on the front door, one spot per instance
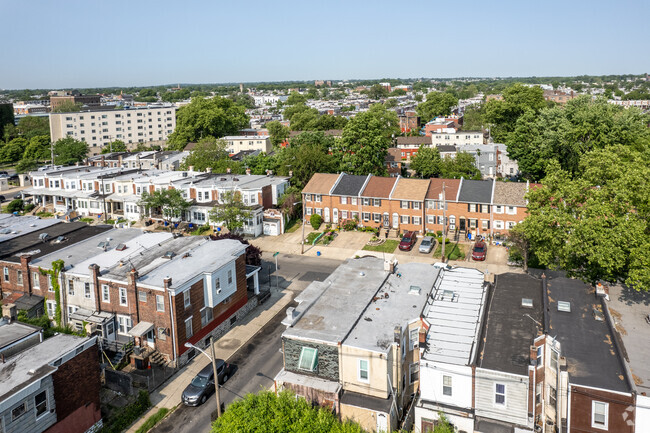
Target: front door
(327, 215)
(335, 216)
(382, 422)
(386, 220)
(461, 224)
(149, 338)
(395, 221)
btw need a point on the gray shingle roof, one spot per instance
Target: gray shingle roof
(349, 185)
(476, 191)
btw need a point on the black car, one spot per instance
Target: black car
(202, 386)
(2, 198)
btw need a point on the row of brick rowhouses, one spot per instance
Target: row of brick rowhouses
(480, 207)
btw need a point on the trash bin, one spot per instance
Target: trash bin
(318, 253)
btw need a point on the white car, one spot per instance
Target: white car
(427, 244)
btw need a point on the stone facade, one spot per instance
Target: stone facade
(327, 366)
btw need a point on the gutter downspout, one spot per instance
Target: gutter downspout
(167, 282)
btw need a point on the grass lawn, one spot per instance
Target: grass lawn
(452, 251)
(311, 236)
(387, 247)
(45, 214)
(153, 420)
(292, 226)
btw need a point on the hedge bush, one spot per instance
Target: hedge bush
(315, 220)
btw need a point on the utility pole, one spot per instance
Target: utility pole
(52, 153)
(444, 222)
(302, 248)
(216, 378)
(103, 196)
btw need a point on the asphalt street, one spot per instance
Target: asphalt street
(258, 361)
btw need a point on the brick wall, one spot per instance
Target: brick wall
(77, 385)
(266, 198)
(328, 358)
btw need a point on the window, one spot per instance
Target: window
(499, 394)
(376, 217)
(188, 328)
(124, 324)
(366, 201)
(40, 403)
(37, 281)
(106, 297)
(353, 200)
(123, 300)
(404, 204)
(538, 393)
(186, 298)
(51, 306)
(72, 309)
(366, 216)
(416, 205)
(498, 224)
(430, 219)
(416, 220)
(414, 338)
(87, 290)
(446, 385)
(308, 211)
(485, 224)
(599, 414)
(540, 356)
(160, 303)
(471, 207)
(230, 277)
(552, 396)
(554, 359)
(142, 296)
(511, 210)
(404, 219)
(414, 372)
(308, 359)
(344, 200)
(18, 411)
(19, 277)
(206, 316)
(376, 202)
(363, 371)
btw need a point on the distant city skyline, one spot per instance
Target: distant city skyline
(78, 44)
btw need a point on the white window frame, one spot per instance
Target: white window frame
(106, 293)
(160, 303)
(360, 369)
(71, 287)
(594, 404)
(230, 276)
(511, 210)
(123, 297)
(414, 338)
(187, 301)
(6, 273)
(495, 394)
(50, 305)
(47, 405)
(87, 290)
(540, 356)
(344, 200)
(127, 321)
(414, 368)
(142, 296)
(314, 361)
(37, 281)
(207, 315)
(449, 387)
(191, 328)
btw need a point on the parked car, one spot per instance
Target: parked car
(18, 196)
(408, 240)
(2, 198)
(479, 251)
(427, 244)
(202, 386)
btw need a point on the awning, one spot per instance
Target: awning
(141, 329)
(252, 270)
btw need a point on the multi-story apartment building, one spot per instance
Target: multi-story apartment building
(458, 138)
(359, 355)
(240, 143)
(408, 146)
(476, 207)
(151, 125)
(89, 100)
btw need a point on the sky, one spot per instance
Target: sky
(92, 43)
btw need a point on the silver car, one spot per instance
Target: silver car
(427, 244)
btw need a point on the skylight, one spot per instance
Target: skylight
(564, 306)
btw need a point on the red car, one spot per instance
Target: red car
(408, 241)
(479, 251)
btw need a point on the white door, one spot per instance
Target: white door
(382, 422)
(150, 340)
(395, 221)
(335, 216)
(327, 215)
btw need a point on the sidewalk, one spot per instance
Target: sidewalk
(169, 394)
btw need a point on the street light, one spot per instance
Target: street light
(214, 370)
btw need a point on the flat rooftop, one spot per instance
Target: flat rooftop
(511, 328)
(330, 309)
(454, 314)
(34, 363)
(13, 226)
(15, 331)
(586, 341)
(629, 309)
(399, 302)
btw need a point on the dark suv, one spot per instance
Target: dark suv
(408, 240)
(202, 386)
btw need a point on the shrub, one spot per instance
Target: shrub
(349, 225)
(29, 207)
(152, 420)
(439, 232)
(128, 414)
(447, 240)
(315, 220)
(15, 206)
(86, 220)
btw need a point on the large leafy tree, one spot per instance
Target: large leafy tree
(68, 151)
(278, 132)
(115, 146)
(365, 140)
(168, 202)
(437, 104)
(426, 162)
(210, 152)
(462, 165)
(268, 412)
(567, 133)
(12, 152)
(31, 126)
(6, 117)
(231, 211)
(68, 107)
(38, 148)
(501, 115)
(215, 117)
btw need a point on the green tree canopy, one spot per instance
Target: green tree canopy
(68, 151)
(502, 115)
(296, 98)
(168, 202)
(366, 138)
(13, 151)
(278, 132)
(38, 148)
(231, 211)
(114, 146)
(267, 412)
(68, 107)
(437, 104)
(377, 92)
(210, 152)
(215, 117)
(31, 126)
(426, 162)
(462, 165)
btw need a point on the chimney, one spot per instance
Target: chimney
(248, 171)
(167, 282)
(103, 162)
(94, 280)
(24, 267)
(10, 312)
